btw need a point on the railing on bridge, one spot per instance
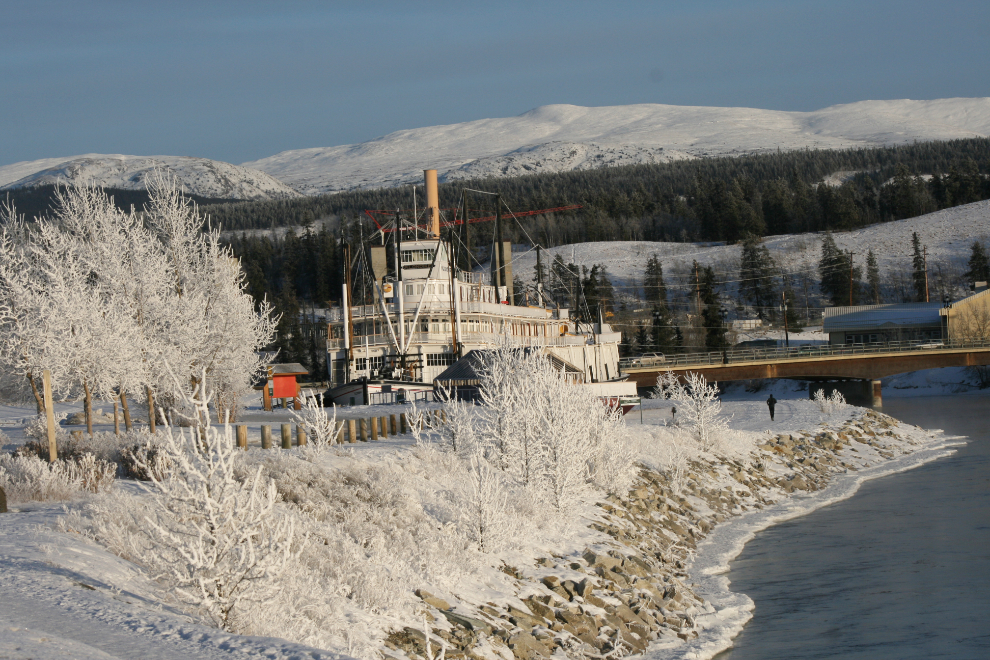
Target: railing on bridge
(761, 355)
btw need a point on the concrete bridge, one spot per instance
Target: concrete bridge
(861, 366)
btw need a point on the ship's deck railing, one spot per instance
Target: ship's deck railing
(444, 338)
(432, 307)
(807, 351)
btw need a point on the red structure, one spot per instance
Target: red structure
(282, 378)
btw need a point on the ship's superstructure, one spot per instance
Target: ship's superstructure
(427, 313)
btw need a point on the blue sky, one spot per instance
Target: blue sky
(237, 81)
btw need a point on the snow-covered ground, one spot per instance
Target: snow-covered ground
(948, 235)
(61, 595)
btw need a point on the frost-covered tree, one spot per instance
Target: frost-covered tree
(218, 541)
(104, 298)
(697, 404)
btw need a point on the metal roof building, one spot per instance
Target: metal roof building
(864, 324)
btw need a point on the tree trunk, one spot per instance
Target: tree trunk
(116, 417)
(127, 411)
(88, 404)
(151, 409)
(37, 394)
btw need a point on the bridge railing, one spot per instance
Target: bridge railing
(761, 355)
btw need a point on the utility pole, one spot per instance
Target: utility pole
(924, 252)
(539, 273)
(783, 300)
(500, 273)
(850, 278)
(697, 286)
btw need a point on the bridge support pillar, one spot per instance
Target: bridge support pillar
(856, 392)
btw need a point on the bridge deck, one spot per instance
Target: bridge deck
(861, 361)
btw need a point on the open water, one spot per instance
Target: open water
(901, 570)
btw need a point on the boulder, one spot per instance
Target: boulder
(476, 625)
(596, 560)
(432, 600)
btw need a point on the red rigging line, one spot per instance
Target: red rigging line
(451, 223)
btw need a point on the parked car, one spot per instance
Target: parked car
(648, 359)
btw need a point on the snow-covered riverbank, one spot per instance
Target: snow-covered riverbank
(639, 572)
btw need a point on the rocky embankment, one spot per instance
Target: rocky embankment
(619, 596)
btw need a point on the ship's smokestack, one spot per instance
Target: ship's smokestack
(432, 204)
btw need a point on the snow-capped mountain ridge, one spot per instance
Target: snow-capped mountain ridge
(539, 140)
(199, 176)
(550, 138)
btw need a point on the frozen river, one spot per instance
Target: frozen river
(901, 570)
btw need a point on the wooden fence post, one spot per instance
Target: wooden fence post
(242, 437)
(266, 436)
(351, 430)
(363, 423)
(384, 422)
(300, 435)
(373, 423)
(116, 417)
(76, 435)
(127, 411)
(286, 436)
(393, 424)
(50, 416)
(340, 432)
(404, 423)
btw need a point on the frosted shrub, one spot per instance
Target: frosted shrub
(458, 431)
(698, 404)
(830, 405)
(490, 524)
(321, 428)
(219, 542)
(29, 478)
(545, 431)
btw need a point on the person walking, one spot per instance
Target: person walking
(771, 402)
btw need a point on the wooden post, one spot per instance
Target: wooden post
(76, 435)
(373, 423)
(127, 411)
(151, 409)
(393, 424)
(404, 423)
(50, 416)
(364, 430)
(340, 432)
(266, 396)
(286, 436)
(443, 416)
(88, 407)
(116, 417)
(242, 436)
(300, 436)
(384, 422)
(266, 436)
(351, 431)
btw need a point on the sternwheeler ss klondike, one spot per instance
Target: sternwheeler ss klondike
(426, 312)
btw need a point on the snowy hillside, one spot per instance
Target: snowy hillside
(557, 138)
(948, 234)
(199, 176)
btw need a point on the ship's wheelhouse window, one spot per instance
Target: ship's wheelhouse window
(409, 290)
(417, 256)
(439, 359)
